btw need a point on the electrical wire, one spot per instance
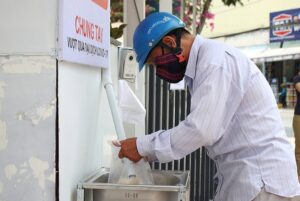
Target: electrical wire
(137, 11)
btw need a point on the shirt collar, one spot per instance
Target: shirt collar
(193, 57)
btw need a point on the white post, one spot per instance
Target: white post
(182, 9)
(134, 12)
(194, 17)
(263, 68)
(165, 5)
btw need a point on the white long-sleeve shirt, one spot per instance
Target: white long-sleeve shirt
(235, 116)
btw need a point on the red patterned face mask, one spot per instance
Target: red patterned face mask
(171, 66)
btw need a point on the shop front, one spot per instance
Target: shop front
(279, 67)
(280, 60)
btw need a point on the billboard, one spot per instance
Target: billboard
(285, 25)
(84, 32)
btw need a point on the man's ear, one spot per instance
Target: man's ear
(170, 41)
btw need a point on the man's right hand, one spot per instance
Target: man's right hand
(128, 149)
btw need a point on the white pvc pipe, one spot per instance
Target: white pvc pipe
(107, 83)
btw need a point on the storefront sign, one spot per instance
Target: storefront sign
(84, 32)
(285, 25)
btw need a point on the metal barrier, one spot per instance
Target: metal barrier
(165, 109)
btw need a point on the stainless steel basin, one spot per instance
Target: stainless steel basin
(168, 186)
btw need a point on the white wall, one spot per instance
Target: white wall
(27, 100)
(27, 128)
(254, 14)
(254, 38)
(28, 108)
(85, 123)
(28, 27)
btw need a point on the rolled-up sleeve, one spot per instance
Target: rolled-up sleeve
(213, 104)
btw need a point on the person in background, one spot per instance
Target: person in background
(296, 121)
(233, 113)
(282, 95)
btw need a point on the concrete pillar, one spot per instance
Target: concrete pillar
(166, 6)
(134, 12)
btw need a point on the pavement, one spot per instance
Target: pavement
(287, 118)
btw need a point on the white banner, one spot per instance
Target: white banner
(84, 31)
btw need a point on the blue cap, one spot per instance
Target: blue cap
(150, 31)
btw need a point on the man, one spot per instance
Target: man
(296, 121)
(233, 113)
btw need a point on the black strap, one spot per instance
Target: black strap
(178, 37)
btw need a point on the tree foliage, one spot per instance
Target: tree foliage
(116, 15)
(232, 2)
(200, 15)
(116, 11)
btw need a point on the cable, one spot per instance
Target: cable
(137, 11)
(241, 32)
